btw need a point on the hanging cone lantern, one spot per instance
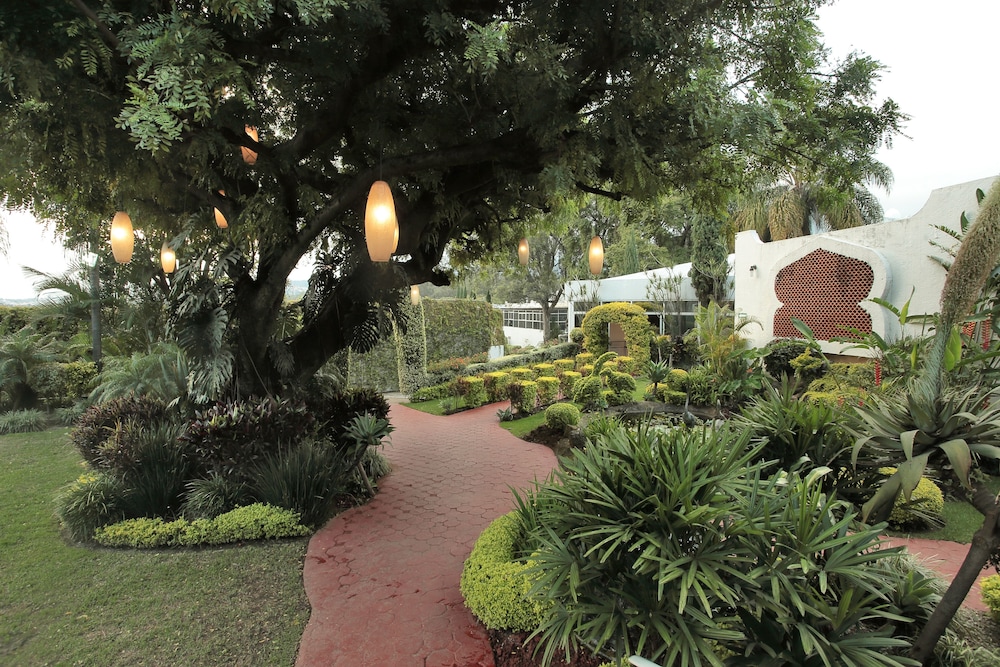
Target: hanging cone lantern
(122, 238)
(522, 252)
(220, 219)
(249, 156)
(168, 258)
(596, 255)
(414, 294)
(381, 230)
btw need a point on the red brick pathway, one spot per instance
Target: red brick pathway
(945, 558)
(383, 578)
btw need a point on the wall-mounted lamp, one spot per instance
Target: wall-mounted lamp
(753, 269)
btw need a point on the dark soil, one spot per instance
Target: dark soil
(546, 435)
(510, 649)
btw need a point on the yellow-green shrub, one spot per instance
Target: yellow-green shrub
(522, 373)
(568, 380)
(562, 415)
(548, 390)
(523, 396)
(677, 379)
(587, 370)
(250, 522)
(628, 365)
(543, 370)
(926, 497)
(496, 385)
(989, 588)
(472, 389)
(495, 584)
(583, 359)
(563, 365)
(634, 324)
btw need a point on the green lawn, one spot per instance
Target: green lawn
(69, 605)
(961, 519)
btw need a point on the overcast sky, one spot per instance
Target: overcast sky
(935, 56)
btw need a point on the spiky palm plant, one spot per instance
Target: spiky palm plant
(20, 352)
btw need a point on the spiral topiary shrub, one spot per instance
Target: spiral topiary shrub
(562, 416)
(548, 390)
(495, 584)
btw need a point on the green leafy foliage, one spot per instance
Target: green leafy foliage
(548, 390)
(93, 500)
(779, 355)
(102, 432)
(923, 508)
(22, 421)
(523, 396)
(228, 438)
(650, 542)
(305, 480)
(496, 385)
(243, 524)
(990, 590)
(211, 496)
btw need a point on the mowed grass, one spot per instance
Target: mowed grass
(71, 605)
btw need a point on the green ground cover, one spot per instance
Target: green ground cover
(65, 604)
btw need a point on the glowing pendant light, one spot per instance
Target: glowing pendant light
(249, 156)
(220, 219)
(414, 294)
(122, 238)
(168, 258)
(522, 252)
(596, 255)
(381, 230)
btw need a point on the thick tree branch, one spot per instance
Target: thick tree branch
(109, 37)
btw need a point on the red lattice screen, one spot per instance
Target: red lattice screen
(823, 289)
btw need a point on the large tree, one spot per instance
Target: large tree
(477, 112)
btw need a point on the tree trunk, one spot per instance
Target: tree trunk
(984, 543)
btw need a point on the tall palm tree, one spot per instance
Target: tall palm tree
(20, 352)
(804, 202)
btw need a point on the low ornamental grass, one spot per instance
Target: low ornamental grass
(70, 605)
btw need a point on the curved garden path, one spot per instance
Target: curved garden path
(383, 578)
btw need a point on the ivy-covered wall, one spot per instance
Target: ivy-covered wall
(436, 329)
(460, 328)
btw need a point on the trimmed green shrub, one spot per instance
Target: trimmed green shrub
(243, 524)
(432, 393)
(93, 500)
(612, 397)
(922, 510)
(496, 385)
(548, 390)
(567, 381)
(587, 370)
(628, 365)
(523, 396)
(562, 416)
(22, 421)
(563, 365)
(584, 359)
(544, 370)
(677, 379)
(576, 335)
(472, 390)
(522, 373)
(989, 588)
(495, 583)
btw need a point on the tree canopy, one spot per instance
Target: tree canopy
(478, 113)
